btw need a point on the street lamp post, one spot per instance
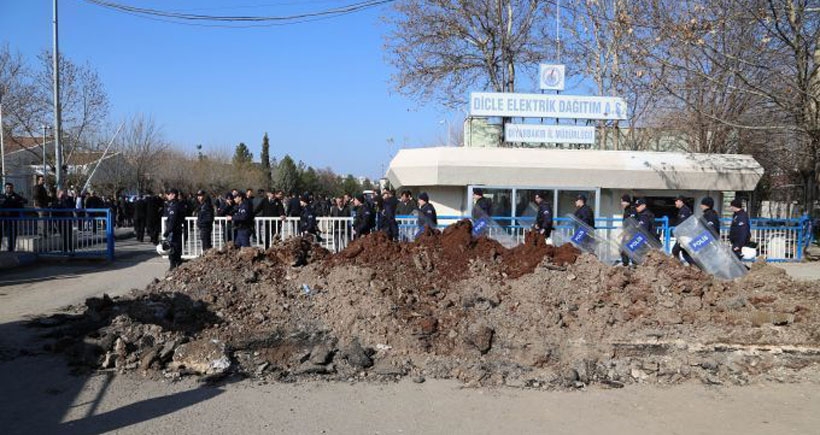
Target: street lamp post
(45, 127)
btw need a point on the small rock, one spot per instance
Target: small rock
(207, 357)
(321, 354)
(386, 368)
(308, 368)
(480, 336)
(418, 379)
(148, 358)
(356, 355)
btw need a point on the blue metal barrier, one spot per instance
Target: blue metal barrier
(58, 232)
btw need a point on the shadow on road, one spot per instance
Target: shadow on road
(41, 393)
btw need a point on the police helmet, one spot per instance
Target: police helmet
(164, 248)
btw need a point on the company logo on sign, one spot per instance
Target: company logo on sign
(552, 77)
(636, 242)
(703, 240)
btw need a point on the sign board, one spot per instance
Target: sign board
(551, 77)
(549, 133)
(546, 106)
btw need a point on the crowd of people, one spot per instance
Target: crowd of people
(376, 212)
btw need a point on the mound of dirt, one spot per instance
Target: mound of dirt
(451, 306)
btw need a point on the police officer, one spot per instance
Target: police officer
(427, 213)
(307, 220)
(174, 226)
(711, 217)
(482, 207)
(684, 212)
(272, 207)
(364, 221)
(153, 217)
(388, 214)
(140, 213)
(629, 212)
(740, 232)
(8, 200)
(646, 219)
(204, 219)
(543, 222)
(242, 219)
(583, 212)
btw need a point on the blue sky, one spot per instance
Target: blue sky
(321, 90)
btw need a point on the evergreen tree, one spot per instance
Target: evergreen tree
(351, 186)
(265, 157)
(288, 175)
(242, 156)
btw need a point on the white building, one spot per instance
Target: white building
(511, 176)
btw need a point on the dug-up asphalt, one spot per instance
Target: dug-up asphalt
(41, 395)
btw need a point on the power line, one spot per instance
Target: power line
(283, 19)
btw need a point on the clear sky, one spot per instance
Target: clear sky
(321, 90)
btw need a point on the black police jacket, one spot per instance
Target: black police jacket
(307, 221)
(683, 214)
(175, 218)
(630, 212)
(740, 232)
(712, 221)
(365, 219)
(427, 216)
(585, 215)
(243, 215)
(646, 220)
(544, 219)
(205, 214)
(482, 207)
(389, 209)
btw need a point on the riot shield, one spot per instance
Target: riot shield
(485, 226)
(636, 242)
(707, 251)
(585, 238)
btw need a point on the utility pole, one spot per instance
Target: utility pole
(2, 144)
(58, 150)
(44, 150)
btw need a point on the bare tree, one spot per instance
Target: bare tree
(441, 49)
(754, 66)
(142, 144)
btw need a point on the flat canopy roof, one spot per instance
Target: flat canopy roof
(533, 167)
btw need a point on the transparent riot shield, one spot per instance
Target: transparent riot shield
(707, 251)
(486, 226)
(422, 221)
(585, 238)
(636, 242)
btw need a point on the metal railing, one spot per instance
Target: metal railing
(778, 239)
(58, 232)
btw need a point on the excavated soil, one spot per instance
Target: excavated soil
(450, 306)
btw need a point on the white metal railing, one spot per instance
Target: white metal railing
(775, 243)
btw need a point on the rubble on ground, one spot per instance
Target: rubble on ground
(450, 306)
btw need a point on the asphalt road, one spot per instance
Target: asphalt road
(39, 395)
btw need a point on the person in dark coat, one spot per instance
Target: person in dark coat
(684, 212)
(365, 219)
(482, 207)
(271, 208)
(388, 214)
(406, 204)
(427, 213)
(65, 221)
(711, 217)
(646, 219)
(583, 212)
(153, 217)
(9, 200)
(174, 226)
(204, 219)
(740, 232)
(629, 212)
(543, 221)
(307, 220)
(242, 219)
(294, 208)
(140, 214)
